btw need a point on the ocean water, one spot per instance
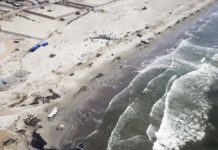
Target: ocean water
(172, 104)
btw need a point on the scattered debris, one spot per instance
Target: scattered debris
(177, 22)
(78, 64)
(145, 41)
(157, 33)
(37, 141)
(61, 126)
(72, 74)
(43, 2)
(24, 97)
(104, 37)
(139, 35)
(21, 73)
(116, 59)
(13, 104)
(57, 72)
(36, 100)
(184, 18)
(98, 55)
(45, 99)
(74, 145)
(62, 19)
(144, 8)
(90, 64)
(9, 141)
(170, 27)
(16, 41)
(84, 117)
(31, 121)
(53, 96)
(53, 113)
(20, 97)
(77, 13)
(99, 10)
(126, 35)
(17, 4)
(25, 17)
(52, 55)
(81, 90)
(147, 27)
(98, 76)
(21, 131)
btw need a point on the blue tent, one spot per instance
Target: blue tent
(35, 47)
(44, 43)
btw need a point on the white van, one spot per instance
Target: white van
(53, 113)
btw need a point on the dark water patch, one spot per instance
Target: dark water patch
(45, 99)
(31, 121)
(37, 141)
(53, 96)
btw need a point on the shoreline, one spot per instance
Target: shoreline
(176, 33)
(98, 83)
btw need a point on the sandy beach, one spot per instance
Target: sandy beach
(83, 46)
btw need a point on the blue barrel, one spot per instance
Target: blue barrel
(44, 44)
(35, 47)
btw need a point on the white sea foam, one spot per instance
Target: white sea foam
(186, 110)
(203, 60)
